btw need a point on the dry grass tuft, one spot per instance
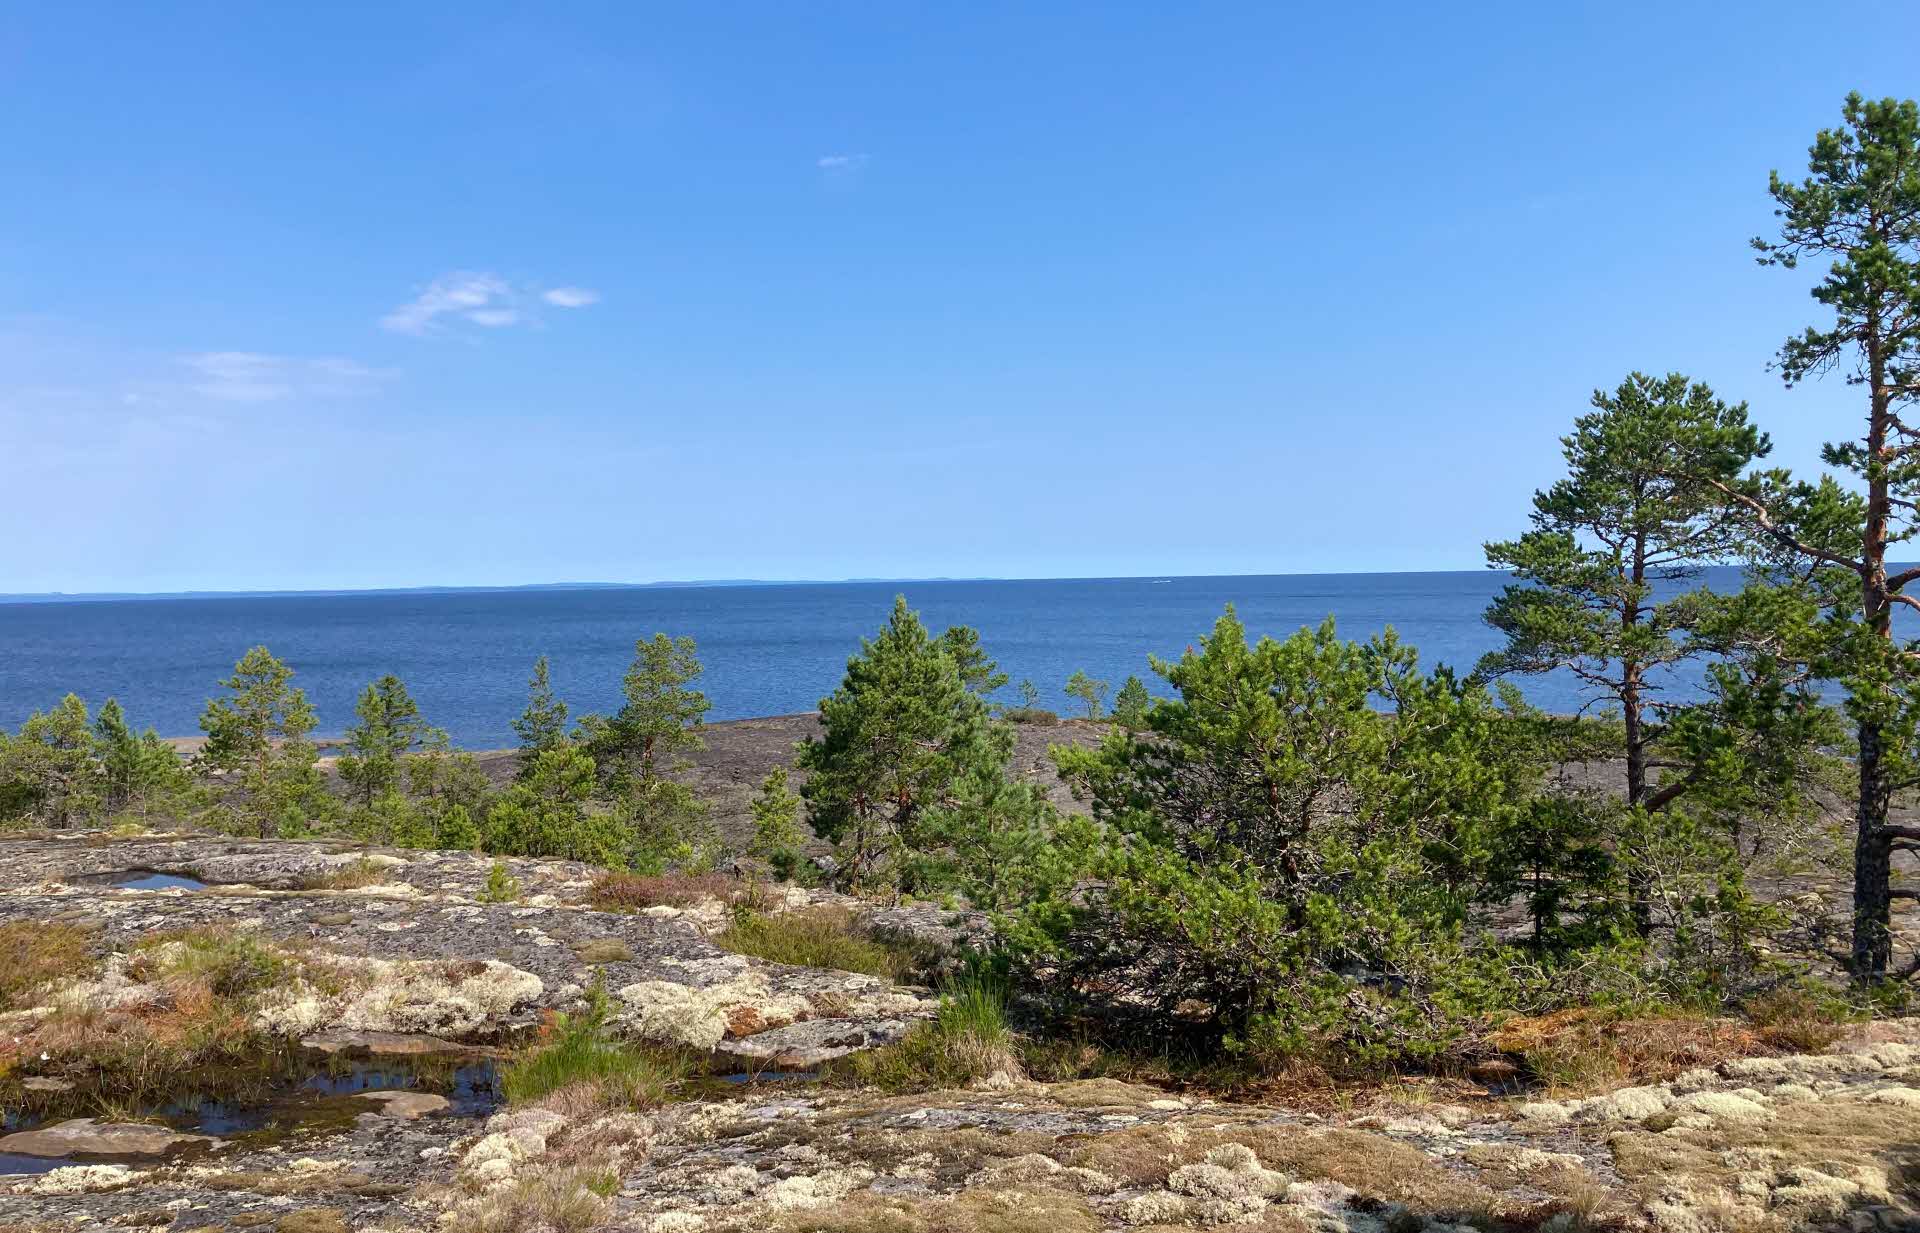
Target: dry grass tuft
(1378, 1167)
(1584, 1051)
(563, 1199)
(34, 955)
(819, 938)
(997, 1210)
(581, 1052)
(354, 876)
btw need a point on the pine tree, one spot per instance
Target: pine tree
(260, 730)
(1598, 579)
(1091, 692)
(547, 814)
(141, 772)
(988, 841)
(389, 727)
(120, 760)
(50, 771)
(543, 725)
(777, 836)
(977, 669)
(1272, 833)
(1131, 704)
(900, 733)
(1859, 209)
(640, 749)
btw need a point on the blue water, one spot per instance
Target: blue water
(161, 881)
(768, 650)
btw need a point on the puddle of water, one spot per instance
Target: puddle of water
(13, 1162)
(771, 1076)
(149, 880)
(473, 1089)
(309, 1098)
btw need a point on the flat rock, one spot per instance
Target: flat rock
(408, 1105)
(83, 1136)
(382, 1044)
(804, 1046)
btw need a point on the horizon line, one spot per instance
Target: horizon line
(29, 597)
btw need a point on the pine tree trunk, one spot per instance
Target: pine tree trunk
(1872, 866)
(1872, 849)
(1639, 885)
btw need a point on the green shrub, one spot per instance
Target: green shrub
(232, 965)
(1276, 867)
(501, 887)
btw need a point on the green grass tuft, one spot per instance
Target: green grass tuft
(584, 1052)
(968, 1039)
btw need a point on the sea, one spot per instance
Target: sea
(767, 648)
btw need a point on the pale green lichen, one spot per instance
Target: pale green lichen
(409, 996)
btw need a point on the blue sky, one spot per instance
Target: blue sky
(371, 295)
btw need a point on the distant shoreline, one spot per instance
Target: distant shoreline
(332, 745)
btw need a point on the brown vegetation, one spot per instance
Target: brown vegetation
(33, 954)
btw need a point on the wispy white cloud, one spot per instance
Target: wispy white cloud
(839, 162)
(571, 297)
(460, 294)
(251, 377)
(482, 299)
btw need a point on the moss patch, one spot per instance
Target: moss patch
(603, 950)
(314, 1220)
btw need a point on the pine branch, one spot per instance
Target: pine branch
(1765, 518)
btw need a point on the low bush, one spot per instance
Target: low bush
(1799, 1018)
(501, 887)
(819, 938)
(564, 1200)
(208, 986)
(1030, 715)
(231, 965)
